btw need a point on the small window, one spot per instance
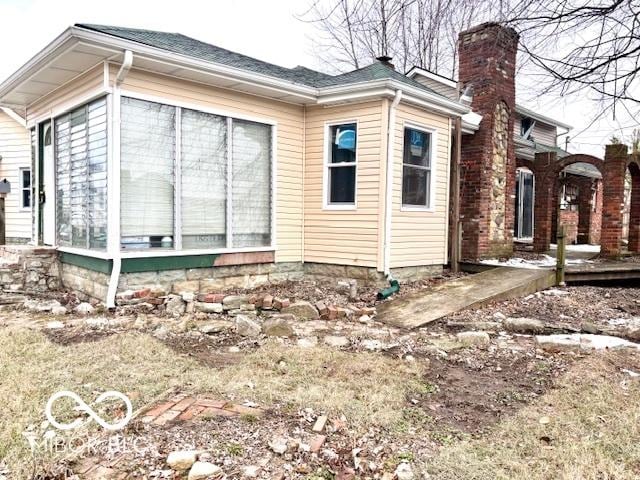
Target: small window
(416, 168)
(341, 164)
(25, 188)
(525, 125)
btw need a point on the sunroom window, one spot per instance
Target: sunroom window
(193, 180)
(81, 176)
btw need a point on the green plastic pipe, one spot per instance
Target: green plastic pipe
(387, 292)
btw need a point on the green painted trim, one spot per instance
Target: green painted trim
(89, 263)
(142, 264)
(177, 262)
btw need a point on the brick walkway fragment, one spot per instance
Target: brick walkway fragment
(181, 408)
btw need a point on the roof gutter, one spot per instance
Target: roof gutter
(125, 67)
(388, 208)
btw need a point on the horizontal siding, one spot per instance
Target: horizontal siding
(437, 87)
(346, 237)
(77, 88)
(542, 132)
(289, 120)
(418, 237)
(15, 151)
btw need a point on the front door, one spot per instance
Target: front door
(48, 197)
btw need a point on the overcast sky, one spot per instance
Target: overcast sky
(264, 29)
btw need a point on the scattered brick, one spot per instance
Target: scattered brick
(145, 292)
(332, 312)
(320, 423)
(267, 302)
(211, 297)
(317, 442)
(322, 309)
(159, 409)
(280, 303)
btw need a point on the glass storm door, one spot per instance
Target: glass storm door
(524, 204)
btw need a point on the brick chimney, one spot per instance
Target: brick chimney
(487, 57)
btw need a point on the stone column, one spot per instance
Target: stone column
(546, 185)
(487, 56)
(615, 166)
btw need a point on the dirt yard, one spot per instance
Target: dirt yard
(392, 404)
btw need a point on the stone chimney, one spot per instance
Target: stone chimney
(386, 61)
(487, 58)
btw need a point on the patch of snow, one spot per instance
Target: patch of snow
(586, 341)
(545, 261)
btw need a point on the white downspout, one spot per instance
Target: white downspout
(113, 212)
(125, 67)
(389, 182)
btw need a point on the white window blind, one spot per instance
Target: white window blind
(147, 160)
(81, 176)
(251, 184)
(203, 179)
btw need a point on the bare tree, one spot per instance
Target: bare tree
(590, 46)
(423, 33)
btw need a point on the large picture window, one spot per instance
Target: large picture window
(193, 180)
(81, 176)
(416, 168)
(341, 165)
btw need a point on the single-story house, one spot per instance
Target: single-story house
(15, 168)
(165, 160)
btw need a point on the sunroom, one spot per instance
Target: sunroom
(153, 185)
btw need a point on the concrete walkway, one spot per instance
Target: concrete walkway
(501, 283)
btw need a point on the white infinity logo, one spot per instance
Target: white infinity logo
(89, 411)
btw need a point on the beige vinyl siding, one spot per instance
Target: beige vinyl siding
(15, 151)
(420, 237)
(289, 120)
(70, 94)
(345, 237)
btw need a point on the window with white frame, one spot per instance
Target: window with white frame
(416, 168)
(193, 180)
(341, 165)
(25, 188)
(81, 176)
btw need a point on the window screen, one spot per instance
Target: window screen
(204, 179)
(81, 176)
(147, 159)
(25, 188)
(416, 168)
(251, 184)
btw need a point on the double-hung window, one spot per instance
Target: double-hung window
(25, 188)
(341, 165)
(417, 168)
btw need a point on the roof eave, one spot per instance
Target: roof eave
(542, 118)
(388, 87)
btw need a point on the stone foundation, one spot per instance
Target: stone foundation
(30, 269)
(93, 284)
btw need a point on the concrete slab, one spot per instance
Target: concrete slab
(501, 283)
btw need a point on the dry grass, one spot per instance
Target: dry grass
(367, 388)
(593, 433)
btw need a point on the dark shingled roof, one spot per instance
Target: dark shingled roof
(183, 45)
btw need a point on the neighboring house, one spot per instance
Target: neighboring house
(15, 167)
(166, 160)
(533, 133)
